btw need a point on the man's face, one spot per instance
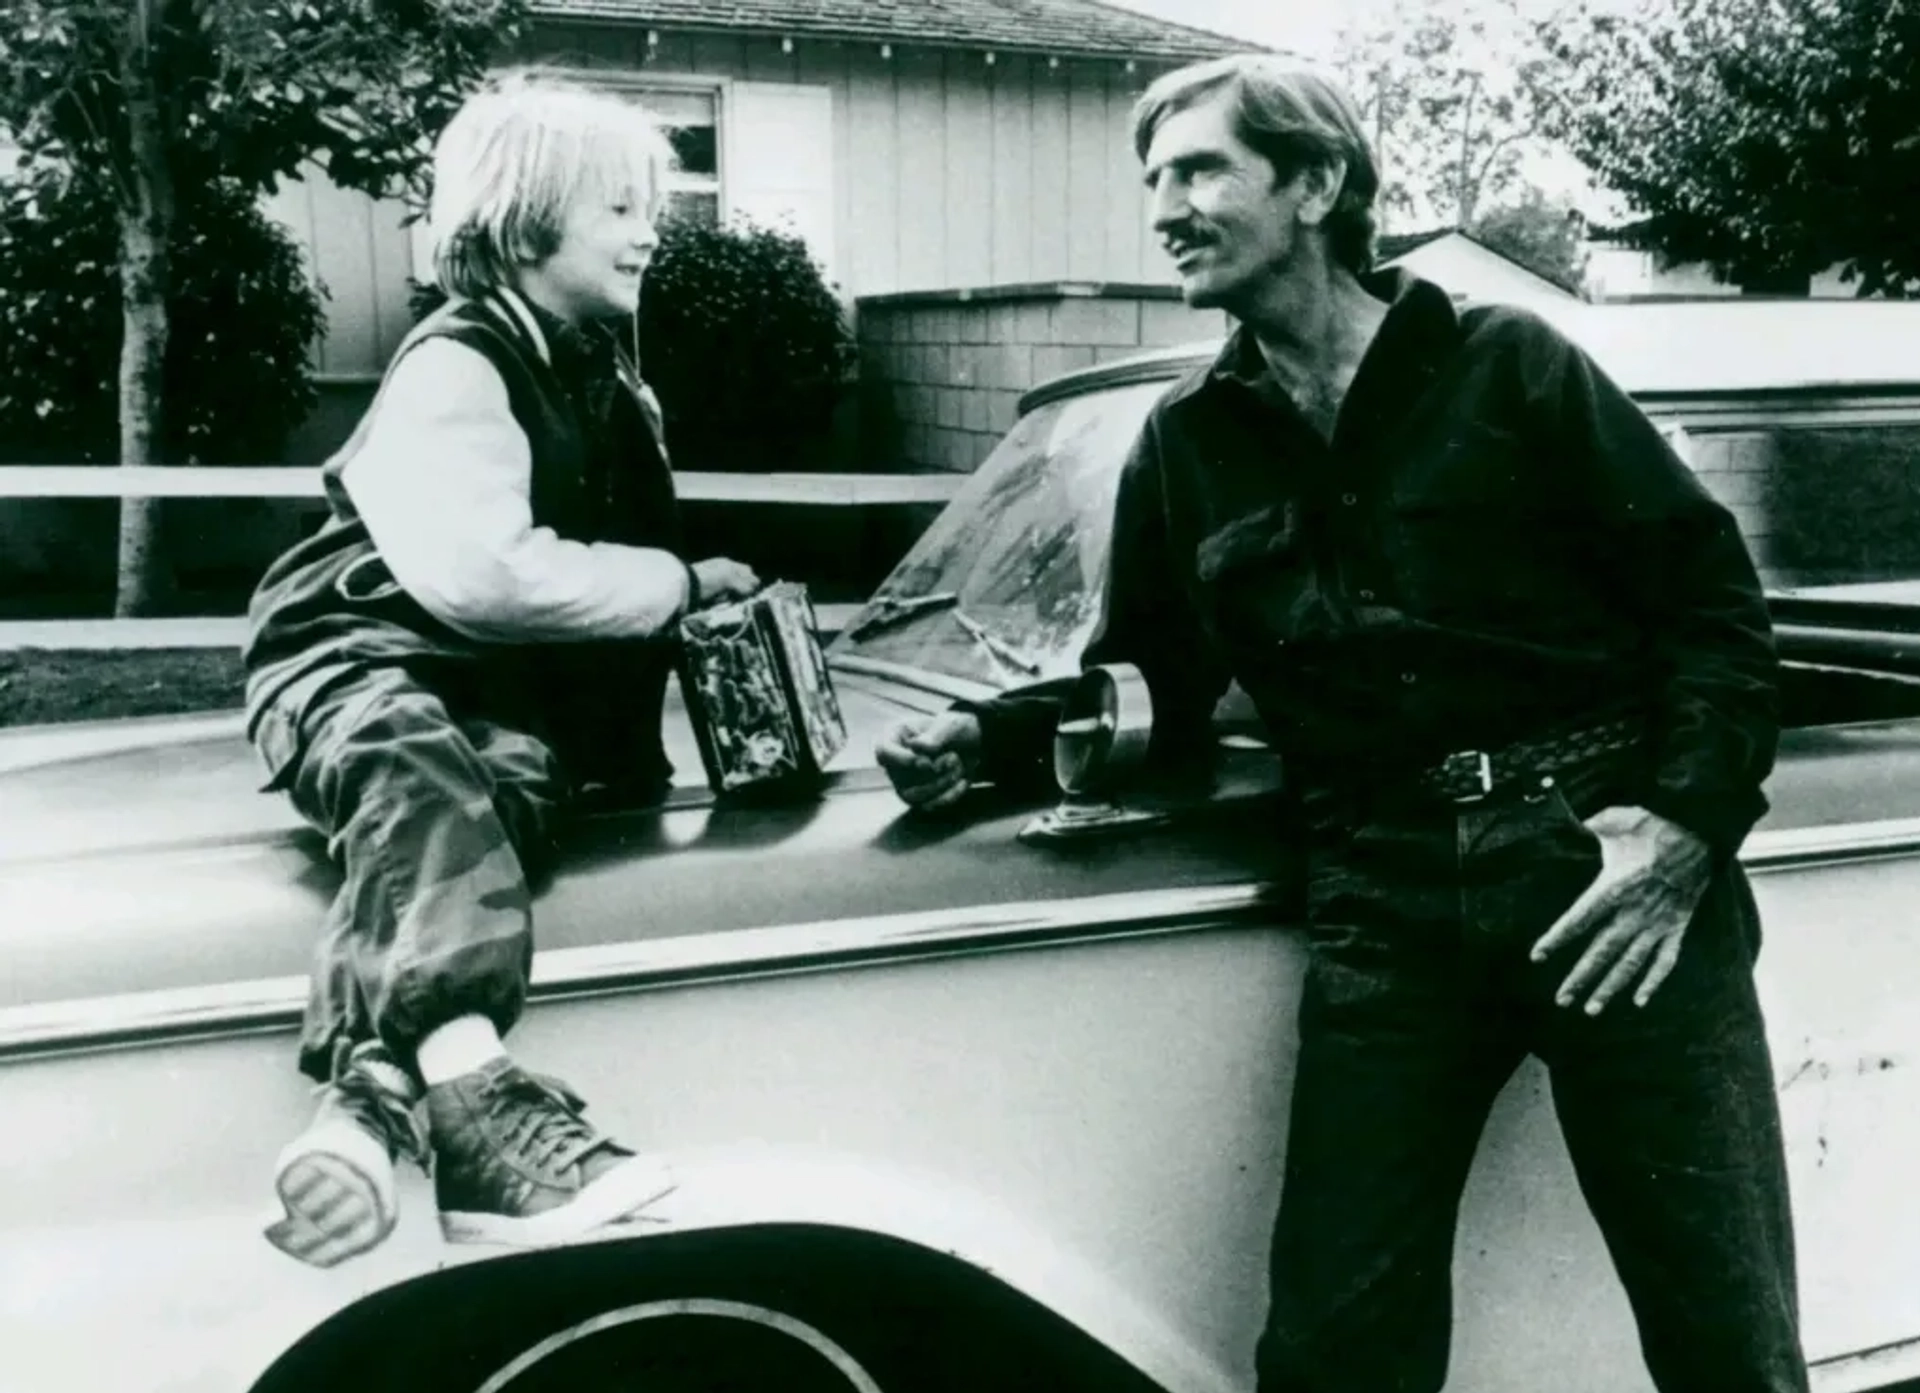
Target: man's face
(1228, 223)
(605, 244)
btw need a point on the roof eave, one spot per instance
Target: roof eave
(876, 36)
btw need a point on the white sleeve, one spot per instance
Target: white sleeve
(443, 481)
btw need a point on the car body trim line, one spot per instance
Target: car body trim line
(274, 1003)
(1794, 847)
(1864, 1370)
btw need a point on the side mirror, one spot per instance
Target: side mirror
(1101, 740)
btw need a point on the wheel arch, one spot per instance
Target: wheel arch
(915, 1319)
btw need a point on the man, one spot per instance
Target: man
(1518, 665)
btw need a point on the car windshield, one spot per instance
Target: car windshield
(1004, 588)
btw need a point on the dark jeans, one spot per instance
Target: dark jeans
(1419, 1003)
(438, 811)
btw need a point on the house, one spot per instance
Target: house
(918, 145)
(1469, 267)
(1617, 269)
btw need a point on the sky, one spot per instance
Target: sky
(1311, 27)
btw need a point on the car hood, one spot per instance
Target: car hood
(142, 785)
(140, 857)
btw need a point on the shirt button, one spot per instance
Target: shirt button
(1349, 499)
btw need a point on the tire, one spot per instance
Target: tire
(684, 1346)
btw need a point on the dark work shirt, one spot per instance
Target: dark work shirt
(1496, 543)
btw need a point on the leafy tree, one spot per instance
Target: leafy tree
(242, 309)
(1451, 96)
(1543, 234)
(158, 99)
(1767, 138)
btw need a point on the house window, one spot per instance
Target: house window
(691, 119)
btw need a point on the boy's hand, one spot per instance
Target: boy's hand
(932, 762)
(722, 578)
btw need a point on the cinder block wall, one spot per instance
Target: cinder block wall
(942, 372)
(1738, 469)
(1827, 505)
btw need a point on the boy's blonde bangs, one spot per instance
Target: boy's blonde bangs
(516, 157)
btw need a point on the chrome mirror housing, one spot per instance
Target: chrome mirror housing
(1100, 742)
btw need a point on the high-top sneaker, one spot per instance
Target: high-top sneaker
(514, 1162)
(336, 1180)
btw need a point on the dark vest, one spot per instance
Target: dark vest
(599, 474)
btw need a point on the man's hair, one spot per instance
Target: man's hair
(1293, 118)
(517, 155)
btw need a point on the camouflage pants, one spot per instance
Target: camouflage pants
(439, 817)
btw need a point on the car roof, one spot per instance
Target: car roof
(1713, 346)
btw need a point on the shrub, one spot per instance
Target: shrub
(743, 340)
(243, 319)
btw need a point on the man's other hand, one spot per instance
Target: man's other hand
(721, 579)
(1633, 917)
(932, 762)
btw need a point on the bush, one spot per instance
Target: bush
(243, 319)
(743, 340)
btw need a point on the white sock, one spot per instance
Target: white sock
(458, 1047)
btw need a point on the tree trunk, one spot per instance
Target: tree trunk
(1467, 196)
(146, 231)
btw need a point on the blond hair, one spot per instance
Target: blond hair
(517, 155)
(1293, 118)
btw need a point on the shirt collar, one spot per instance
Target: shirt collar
(1421, 323)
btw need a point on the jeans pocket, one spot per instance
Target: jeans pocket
(277, 743)
(1523, 861)
(366, 581)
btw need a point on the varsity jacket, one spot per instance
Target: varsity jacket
(598, 473)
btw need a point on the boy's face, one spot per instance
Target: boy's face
(605, 245)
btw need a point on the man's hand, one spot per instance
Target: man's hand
(722, 578)
(1634, 915)
(932, 762)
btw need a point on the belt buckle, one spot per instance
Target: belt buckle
(1481, 768)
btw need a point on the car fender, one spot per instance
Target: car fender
(205, 1305)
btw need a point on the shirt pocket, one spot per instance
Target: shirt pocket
(1256, 581)
(1473, 531)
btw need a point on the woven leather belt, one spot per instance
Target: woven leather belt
(1469, 776)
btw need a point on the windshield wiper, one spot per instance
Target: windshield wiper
(887, 611)
(996, 648)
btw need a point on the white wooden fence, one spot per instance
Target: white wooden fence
(126, 481)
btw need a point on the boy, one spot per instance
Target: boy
(480, 628)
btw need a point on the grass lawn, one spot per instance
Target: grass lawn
(39, 685)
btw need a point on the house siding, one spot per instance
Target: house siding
(942, 375)
(948, 171)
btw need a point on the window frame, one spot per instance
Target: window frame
(637, 84)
